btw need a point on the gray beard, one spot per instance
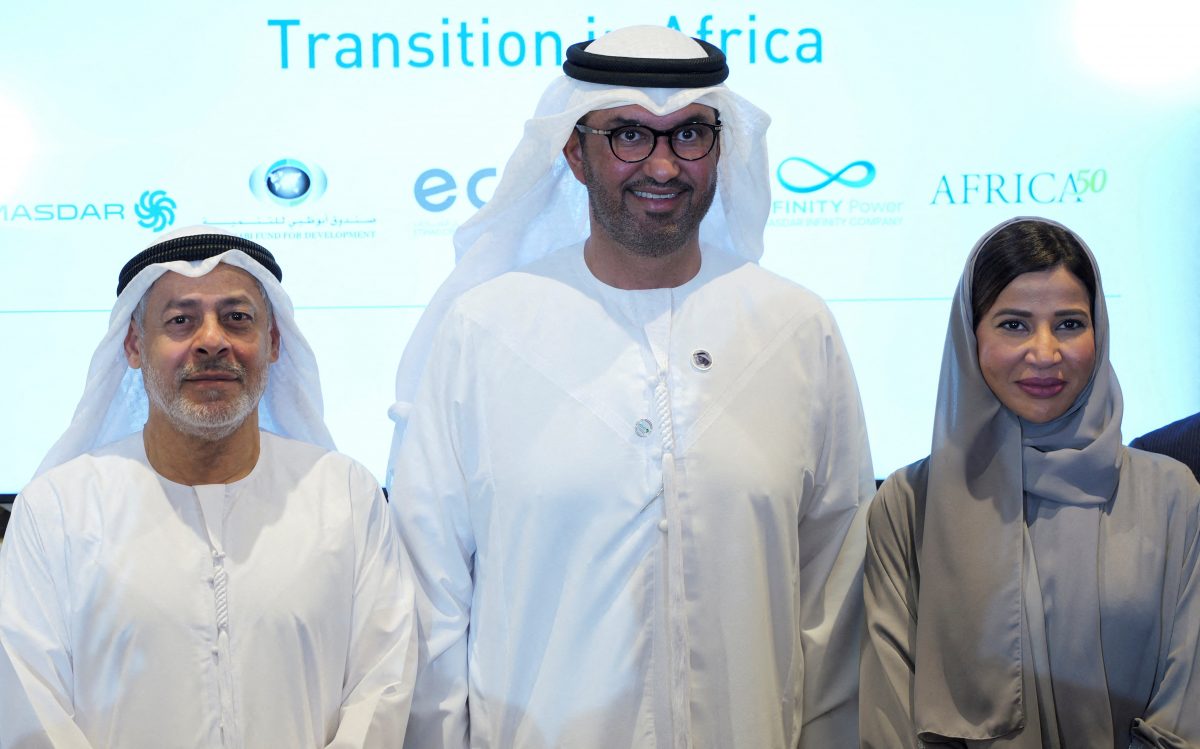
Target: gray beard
(207, 421)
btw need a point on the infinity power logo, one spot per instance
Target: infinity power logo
(801, 175)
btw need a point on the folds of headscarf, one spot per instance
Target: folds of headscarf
(114, 403)
(195, 246)
(971, 630)
(539, 206)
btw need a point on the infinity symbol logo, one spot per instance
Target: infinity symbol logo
(830, 177)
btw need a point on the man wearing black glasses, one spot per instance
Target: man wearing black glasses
(629, 463)
(647, 197)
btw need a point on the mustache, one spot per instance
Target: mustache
(209, 366)
(673, 185)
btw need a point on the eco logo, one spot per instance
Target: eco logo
(288, 182)
(436, 189)
(155, 211)
(801, 180)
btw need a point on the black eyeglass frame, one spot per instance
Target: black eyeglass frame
(716, 129)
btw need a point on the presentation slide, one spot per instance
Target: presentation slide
(352, 138)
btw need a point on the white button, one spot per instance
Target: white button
(643, 427)
(216, 651)
(662, 525)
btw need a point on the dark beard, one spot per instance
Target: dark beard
(653, 236)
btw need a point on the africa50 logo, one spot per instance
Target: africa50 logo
(1049, 186)
(155, 210)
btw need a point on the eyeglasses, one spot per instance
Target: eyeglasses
(633, 143)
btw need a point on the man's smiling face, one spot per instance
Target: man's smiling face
(652, 207)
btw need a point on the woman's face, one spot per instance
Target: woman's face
(1036, 345)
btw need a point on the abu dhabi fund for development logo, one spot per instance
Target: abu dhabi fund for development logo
(289, 187)
(154, 210)
(818, 196)
(288, 182)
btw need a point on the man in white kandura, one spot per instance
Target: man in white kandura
(629, 463)
(218, 577)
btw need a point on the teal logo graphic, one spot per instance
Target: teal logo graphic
(288, 182)
(437, 189)
(815, 177)
(155, 211)
(1018, 188)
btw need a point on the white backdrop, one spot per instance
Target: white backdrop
(902, 131)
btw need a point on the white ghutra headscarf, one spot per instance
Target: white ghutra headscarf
(539, 206)
(114, 403)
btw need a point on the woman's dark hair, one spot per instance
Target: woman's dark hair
(1026, 247)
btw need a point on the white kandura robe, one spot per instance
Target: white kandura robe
(272, 612)
(587, 582)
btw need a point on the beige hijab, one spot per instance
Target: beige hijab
(971, 623)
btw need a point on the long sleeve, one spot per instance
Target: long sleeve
(1172, 719)
(636, 517)
(889, 585)
(831, 539)
(36, 709)
(381, 668)
(429, 498)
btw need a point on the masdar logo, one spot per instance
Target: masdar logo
(155, 210)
